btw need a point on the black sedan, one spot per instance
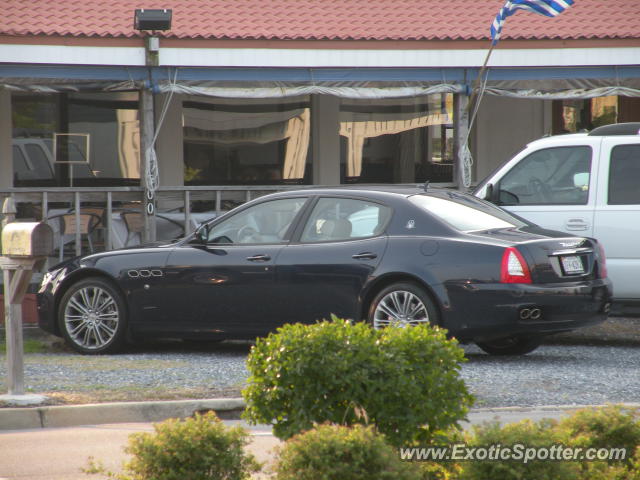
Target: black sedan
(394, 256)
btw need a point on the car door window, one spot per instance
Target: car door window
(624, 172)
(260, 224)
(551, 176)
(336, 219)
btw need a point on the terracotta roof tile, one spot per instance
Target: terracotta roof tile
(320, 19)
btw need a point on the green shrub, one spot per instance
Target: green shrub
(403, 380)
(199, 448)
(609, 427)
(530, 435)
(332, 452)
(612, 426)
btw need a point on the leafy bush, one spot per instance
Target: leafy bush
(403, 380)
(527, 433)
(332, 452)
(199, 448)
(609, 427)
(612, 426)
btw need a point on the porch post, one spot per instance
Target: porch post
(147, 130)
(6, 164)
(461, 133)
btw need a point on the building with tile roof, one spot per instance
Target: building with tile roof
(286, 92)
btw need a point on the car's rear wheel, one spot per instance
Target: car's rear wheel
(515, 345)
(92, 317)
(402, 305)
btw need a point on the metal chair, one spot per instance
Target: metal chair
(70, 224)
(134, 221)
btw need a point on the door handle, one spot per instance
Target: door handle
(364, 256)
(576, 224)
(259, 258)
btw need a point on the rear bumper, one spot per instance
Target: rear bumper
(481, 312)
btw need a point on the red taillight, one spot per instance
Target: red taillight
(514, 269)
(602, 263)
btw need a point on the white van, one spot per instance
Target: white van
(587, 184)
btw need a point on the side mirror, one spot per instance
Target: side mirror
(581, 181)
(488, 192)
(202, 233)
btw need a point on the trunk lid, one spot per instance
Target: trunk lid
(552, 257)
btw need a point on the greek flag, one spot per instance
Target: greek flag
(548, 8)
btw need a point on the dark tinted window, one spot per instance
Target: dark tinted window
(624, 175)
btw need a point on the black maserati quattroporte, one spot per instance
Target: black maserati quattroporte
(391, 256)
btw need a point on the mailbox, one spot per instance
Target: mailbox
(27, 239)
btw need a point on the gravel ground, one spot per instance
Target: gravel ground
(552, 375)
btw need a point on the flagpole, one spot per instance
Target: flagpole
(479, 78)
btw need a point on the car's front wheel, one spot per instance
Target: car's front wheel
(402, 305)
(92, 317)
(515, 345)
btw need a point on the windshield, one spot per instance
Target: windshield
(466, 213)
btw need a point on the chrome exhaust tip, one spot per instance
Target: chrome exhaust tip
(535, 314)
(525, 314)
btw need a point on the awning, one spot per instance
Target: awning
(563, 83)
(61, 78)
(536, 82)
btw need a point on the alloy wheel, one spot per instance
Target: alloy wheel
(91, 317)
(400, 308)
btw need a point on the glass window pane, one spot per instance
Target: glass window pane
(244, 142)
(624, 172)
(40, 163)
(19, 162)
(464, 217)
(264, 223)
(552, 176)
(604, 111)
(405, 140)
(107, 123)
(336, 219)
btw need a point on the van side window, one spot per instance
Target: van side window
(624, 175)
(551, 176)
(39, 162)
(20, 166)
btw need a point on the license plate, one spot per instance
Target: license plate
(572, 265)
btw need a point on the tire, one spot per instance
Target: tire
(510, 346)
(92, 317)
(402, 305)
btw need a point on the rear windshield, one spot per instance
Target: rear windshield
(465, 213)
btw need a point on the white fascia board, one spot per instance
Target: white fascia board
(257, 57)
(72, 55)
(264, 57)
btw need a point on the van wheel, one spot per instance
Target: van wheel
(515, 345)
(92, 317)
(402, 305)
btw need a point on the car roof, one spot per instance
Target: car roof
(371, 191)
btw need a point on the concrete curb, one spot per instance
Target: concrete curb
(226, 408)
(124, 412)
